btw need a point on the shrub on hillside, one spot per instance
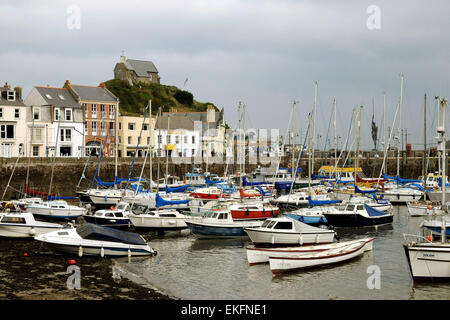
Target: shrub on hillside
(184, 97)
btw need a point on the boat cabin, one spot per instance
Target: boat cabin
(347, 173)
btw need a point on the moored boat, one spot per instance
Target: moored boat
(286, 231)
(220, 224)
(23, 225)
(92, 239)
(261, 255)
(315, 259)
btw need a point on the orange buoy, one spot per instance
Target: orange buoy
(430, 237)
(71, 261)
(25, 254)
(430, 207)
(112, 208)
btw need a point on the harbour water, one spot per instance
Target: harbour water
(189, 268)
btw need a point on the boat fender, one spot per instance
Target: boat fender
(80, 251)
(300, 240)
(264, 211)
(102, 252)
(32, 231)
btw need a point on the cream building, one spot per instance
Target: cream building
(13, 127)
(129, 131)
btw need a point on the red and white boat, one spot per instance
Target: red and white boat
(253, 210)
(209, 193)
(370, 180)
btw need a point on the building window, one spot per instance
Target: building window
(148, 140)
(177, 139)
(120, 139)
(65, 135)
(37, 134)
(61, 97)
(56, 114)
(129, 140)
(16, 113)
(131, 126)
(94, 111)
(193, 152)
(85, 128)
(145, 127)
(36, 113)
(94, 128)
(168, 138)
(85, 107)
(103, 110)
(112, 111)
(150, 77)
(1, 112)
(193, 139)
(120, 125)
(68, 114)
(185, 139)
(7, 131)
(11, 95)
(159, 138)
(35, 151)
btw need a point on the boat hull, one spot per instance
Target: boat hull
(205, 231)
(356, 220)
(265, 238)
(279, 265)
(158, 223)
(18, 231)
(261, 255)
(428, 262)
(97, 251)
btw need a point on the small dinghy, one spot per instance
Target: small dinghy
(23, 225)
(261, 255)
(91, 239)
(286, 231)
(315, 259)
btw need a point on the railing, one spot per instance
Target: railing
(406, 235)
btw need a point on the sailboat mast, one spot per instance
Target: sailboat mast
(314, 124)
(116, 148)
(293, 139)
(245, 140)
(309, 154)
(359, 139)
(167, 150)
(384, 125)
(54, 159)
(151, 144)
(335, 136)
(444, 180)
(399, 126)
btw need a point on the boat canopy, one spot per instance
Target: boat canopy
(372, 212)
(208, 181)
(177, 189)
(313, 203)
(50, 198)
(91, 231)
(160, 202)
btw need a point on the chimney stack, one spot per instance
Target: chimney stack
(18, 91)
(7, 87)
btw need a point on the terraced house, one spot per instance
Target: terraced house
(100, 113)
(13, 129)
(55, 123)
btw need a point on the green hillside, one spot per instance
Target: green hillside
(134, 99)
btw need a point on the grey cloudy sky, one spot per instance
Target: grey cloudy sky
(264, 53)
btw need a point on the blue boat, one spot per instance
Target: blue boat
(219, 224)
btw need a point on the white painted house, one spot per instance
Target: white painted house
(13, 128)
(57, 122)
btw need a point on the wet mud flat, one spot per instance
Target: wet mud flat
(30, 271)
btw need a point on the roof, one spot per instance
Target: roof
(141, 67)
(93, 93)
(175, 123)
(5, 102)
(198, 116)
(58, 97)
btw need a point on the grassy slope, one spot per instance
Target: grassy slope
(134, 99)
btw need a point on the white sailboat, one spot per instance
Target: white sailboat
(430, 260)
